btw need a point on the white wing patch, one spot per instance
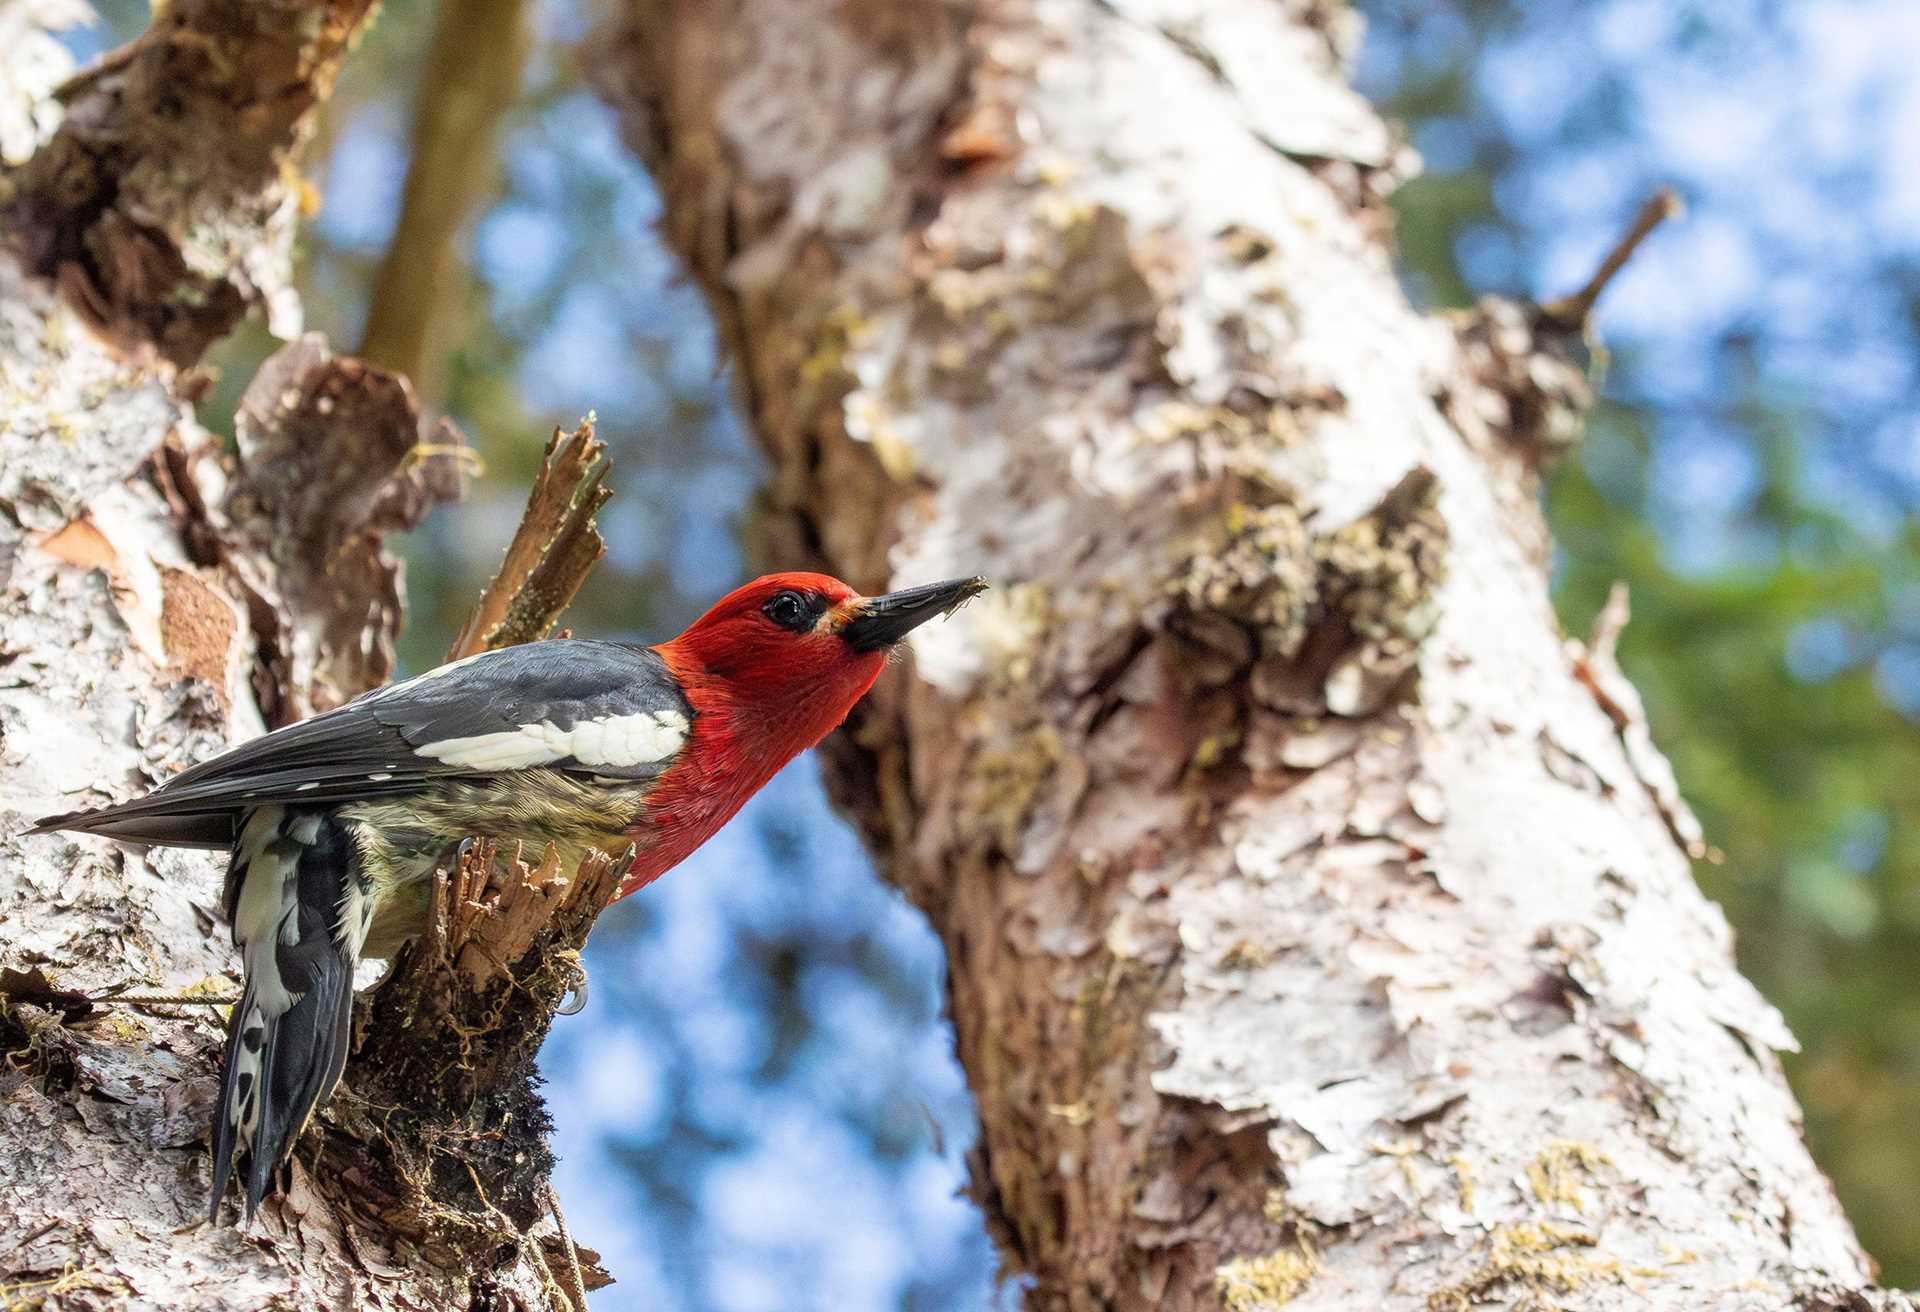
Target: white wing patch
(618, 741)
(621, 740)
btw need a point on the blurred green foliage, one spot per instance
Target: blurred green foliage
(1756, 499)
(1806, 779)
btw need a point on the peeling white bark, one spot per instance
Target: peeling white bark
(38, 64)
(1317, 935)
(101, 1124)
(148, 595)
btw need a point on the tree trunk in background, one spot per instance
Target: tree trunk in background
(471, 79)
(156, 604)
(1318, 921)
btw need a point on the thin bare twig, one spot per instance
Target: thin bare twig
(1573, 310)
(577, 1278)
(50, 1226)
(1596, 664)
(553, 550)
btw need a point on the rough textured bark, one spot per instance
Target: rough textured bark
(165, 205)
(158, 601)
(1318, 924)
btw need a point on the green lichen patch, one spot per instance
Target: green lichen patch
(840, 330)
(1382, 570)
(1381, 574)
(1562, 1172)
(1252, 564)
(1008, 778)
(1329, 622)
(1257, 1284)
(1528, 1264)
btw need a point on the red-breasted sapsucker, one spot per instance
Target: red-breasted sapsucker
(336, 823)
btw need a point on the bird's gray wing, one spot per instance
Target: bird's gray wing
(603, 708)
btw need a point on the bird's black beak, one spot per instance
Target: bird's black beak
(879, 622)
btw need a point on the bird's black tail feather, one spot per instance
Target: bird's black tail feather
(295, 875)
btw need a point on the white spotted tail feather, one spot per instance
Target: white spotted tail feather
(292, 895)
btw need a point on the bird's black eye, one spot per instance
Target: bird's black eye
(790, 611)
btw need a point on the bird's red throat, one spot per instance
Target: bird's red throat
(738, 742)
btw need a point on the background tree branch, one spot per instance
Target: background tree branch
(472, 75)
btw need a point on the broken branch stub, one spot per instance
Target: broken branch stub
(553, 550)
(1572, 312)
(329, 465)
(446, 1135)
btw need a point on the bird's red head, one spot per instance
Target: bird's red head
(788, 655)
(769, 671)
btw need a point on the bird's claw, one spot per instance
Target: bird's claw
(576, 1000)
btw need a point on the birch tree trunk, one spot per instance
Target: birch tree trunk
(158, 602)
(1319, 922)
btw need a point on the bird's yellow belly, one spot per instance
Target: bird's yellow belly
(400, 840)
